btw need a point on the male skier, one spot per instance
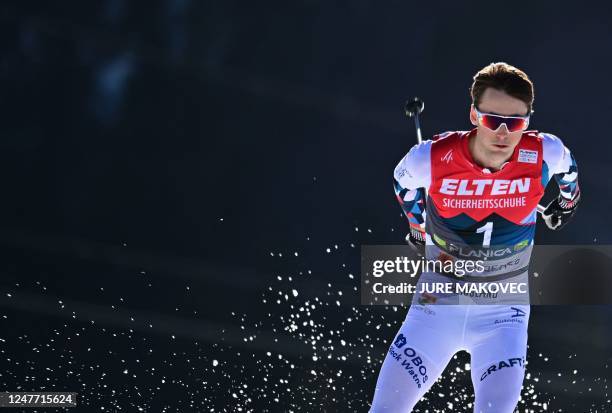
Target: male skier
(476, 188)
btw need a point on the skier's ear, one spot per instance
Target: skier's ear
(473, 117)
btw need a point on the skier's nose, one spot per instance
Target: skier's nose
(502, 132)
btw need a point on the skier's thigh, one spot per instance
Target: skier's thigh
(498, 368)
(415, 360)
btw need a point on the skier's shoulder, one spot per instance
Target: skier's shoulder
(549, 139)
(552, 147)
(419, 157)
(420, 151)
(416, 163)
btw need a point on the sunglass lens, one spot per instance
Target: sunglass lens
(516, 124)
(491, 122)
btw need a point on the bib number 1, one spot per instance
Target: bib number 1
(487, 229)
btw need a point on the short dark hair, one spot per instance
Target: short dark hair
(504, 77)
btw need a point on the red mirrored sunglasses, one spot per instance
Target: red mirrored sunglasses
(493, 121)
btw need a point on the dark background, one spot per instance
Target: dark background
(173, 168)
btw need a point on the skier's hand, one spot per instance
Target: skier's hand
(416, 240)
(559, 212)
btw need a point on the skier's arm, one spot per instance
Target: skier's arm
(412, 176)
(560, 164)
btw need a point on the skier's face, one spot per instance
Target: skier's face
(498, 144)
